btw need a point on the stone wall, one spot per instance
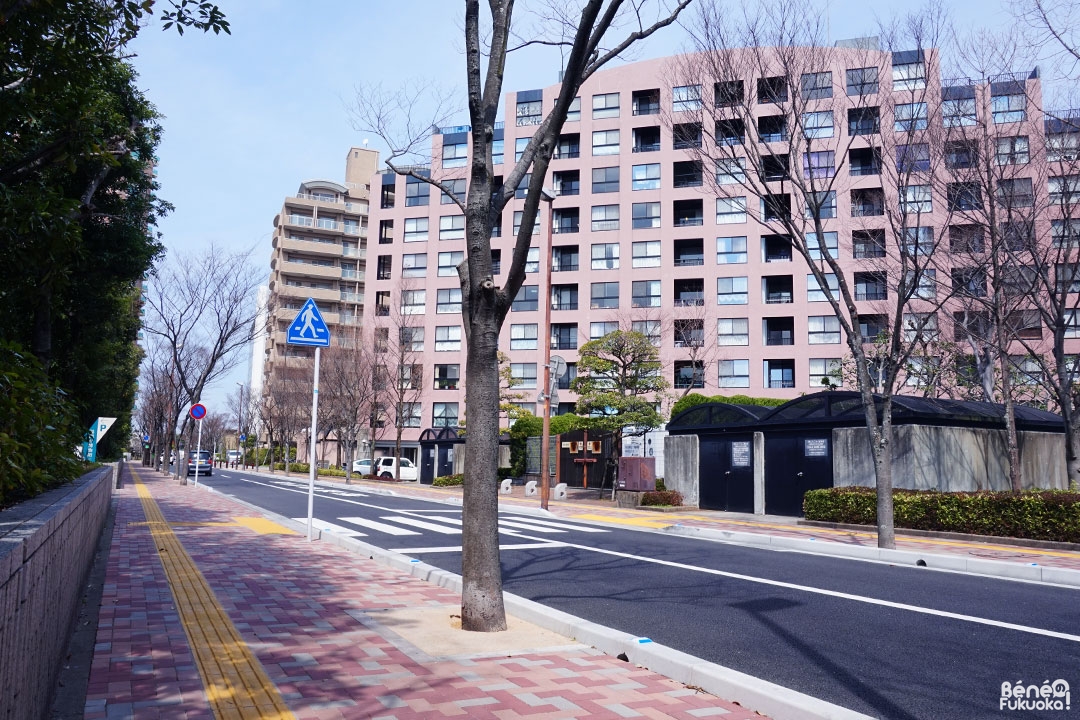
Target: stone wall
(681, 466)
(46, 548)
(951, 459)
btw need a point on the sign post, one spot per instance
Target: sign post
(197, 413)
(309, 329)
(93, 437)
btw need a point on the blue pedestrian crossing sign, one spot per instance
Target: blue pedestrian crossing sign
(309, 328)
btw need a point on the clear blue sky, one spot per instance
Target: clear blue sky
(248, 116)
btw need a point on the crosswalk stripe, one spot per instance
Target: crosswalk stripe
(331, 527)
(421, 524)
(522, 526)
(381, 527)
(563, 526)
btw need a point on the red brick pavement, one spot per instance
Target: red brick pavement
(300, 607)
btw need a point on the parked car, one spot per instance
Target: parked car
(362, 466)
(384, 468)
(199, 461)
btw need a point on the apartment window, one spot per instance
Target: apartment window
(605, 105)
(918, 240)
(646, 102)
(382, 303)
(731, 210)
(605, 256)
(1009, 108)
(646, 254)
(731, 250)
(566, 220)
(1065, 233)
(604, 295)
(920, 327)
(530, 112)
(730, 171)
(688, 213)
(409, 416)
(871, 286)
(814, 291)
(649, 328)
(685, 136)
(416, 229)
(386, 198)
(527, 299)
(777, 207)
(686, 174)
(776, 248)
(645, 177)
(732, 331)
(824, 372)
(605, 142)
(1072, 324)
(913, 158)
(774, 167)
(598, 330)
(871, 327)
(573, 113)
(567, 182)
(496, 261)
(686, 98)
(414, 265)
(412, 302)
(730, 132)
(384, 267)
(564, 297)
(1016, 193)
(1063, 147)
(519, 147)
(1024, 369)
(868, 244)
(522, 188)
(523, 375)
(772, 90)
(734, 374)
(645, 215)
(780, 373)
(731, 291)
(569, 146)
(447, 377)
(862, 81)
(823, 330)
(828, 245)
(605, 217)
(689, 374)
(909, 117)
(452, 227)
(523, 337)
(964, 196)
(820, 164)
(729, 93)
(915, 199)
(817, 125)
(646, 139)
(448, 263)
(966, 239)
(417, 192)
(606, 179)
(518, 216)
(564, 336)
(448, 300)
(816, 86)
(908, 70)
(455, 155)
(386, 232)
(645, 294)
(1065, 190)
(959, 112)
(923, 283)
(772, 128)
(864, 121)
(777, 289)
(1019, 280)
(961, 154)
(969, 281)
(497, 150)
(1019, 236)
(1013, 150)
(564, 258)
(444, 414)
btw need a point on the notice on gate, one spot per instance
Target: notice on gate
(740, 454)
(816, 447)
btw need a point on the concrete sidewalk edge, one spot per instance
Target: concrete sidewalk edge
(935, 561)
(774, 700)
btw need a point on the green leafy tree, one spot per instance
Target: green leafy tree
(619, 386)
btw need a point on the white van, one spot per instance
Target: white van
(384, 468)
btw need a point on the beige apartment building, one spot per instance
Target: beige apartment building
(319, 251)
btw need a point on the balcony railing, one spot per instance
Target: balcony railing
(689, 221)
(867, 210)
(647, 108)
(570, 305)
(778, 298)
(568, 154)
(780, 337)
(564, 229)
(689, 260)
(690, 301)
(647, 147)
(327, 224)
(863, 170)
(871, 294)
(302, 220)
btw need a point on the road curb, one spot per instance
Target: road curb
(955, 563)
(777, 701)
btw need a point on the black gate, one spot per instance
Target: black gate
(726, 473)
(793, 465)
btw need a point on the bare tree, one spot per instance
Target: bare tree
(583, 38)
(398, 367)
(347, 379)
(1053, 26)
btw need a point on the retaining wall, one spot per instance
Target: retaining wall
(46, 549)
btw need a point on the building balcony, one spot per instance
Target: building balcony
(312, 247)
(309, 270)
(293, 291)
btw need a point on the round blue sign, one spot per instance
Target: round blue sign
(197, 411)
(146, 437)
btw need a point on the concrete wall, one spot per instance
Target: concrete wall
(681, 465)
(46, 548)
(951, 459)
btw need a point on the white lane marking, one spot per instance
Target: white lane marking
(457, 548)
(548, 523)
(830, 593)
(224, 476)
(421, 524)
(381, 527)
(457, 521)
(331, 527)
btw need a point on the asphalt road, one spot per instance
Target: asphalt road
(888, 641)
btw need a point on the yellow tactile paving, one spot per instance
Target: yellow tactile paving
(262, 526)
(637, 522)
(236, 684)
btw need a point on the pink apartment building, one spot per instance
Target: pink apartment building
(640, 238)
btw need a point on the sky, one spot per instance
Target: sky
(251, 115)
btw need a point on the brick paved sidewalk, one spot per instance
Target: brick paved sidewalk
(319, 621)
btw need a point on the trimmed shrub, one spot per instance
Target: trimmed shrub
(449, 480)
(662, 498)
(504, 472)
(1034, 515)
(293, 467)
(659, 485)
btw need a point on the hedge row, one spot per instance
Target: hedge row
(662, 498)
(449, 480)
(1037, 515)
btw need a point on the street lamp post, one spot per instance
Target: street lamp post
(545, 436)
